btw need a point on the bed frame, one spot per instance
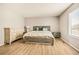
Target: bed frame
(39, 28)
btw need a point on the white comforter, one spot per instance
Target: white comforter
(39, 34)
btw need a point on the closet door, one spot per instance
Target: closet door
(6, 35)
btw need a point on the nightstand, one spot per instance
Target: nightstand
(56, 34)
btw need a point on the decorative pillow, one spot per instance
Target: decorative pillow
(45, 29)
(37, 29)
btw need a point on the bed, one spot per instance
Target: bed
(39, 34)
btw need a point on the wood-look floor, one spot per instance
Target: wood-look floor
(20, 48)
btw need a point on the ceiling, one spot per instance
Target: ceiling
(37, 9)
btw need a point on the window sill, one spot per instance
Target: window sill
(75, 36)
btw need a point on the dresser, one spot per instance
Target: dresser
(7, 35)
(11, 35)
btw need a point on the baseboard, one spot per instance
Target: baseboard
(70, 45)
(1, 44)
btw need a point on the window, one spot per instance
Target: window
(74, 23)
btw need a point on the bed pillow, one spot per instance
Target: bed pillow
(45, 29)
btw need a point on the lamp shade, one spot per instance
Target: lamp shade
(28, 26)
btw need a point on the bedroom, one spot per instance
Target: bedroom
(41, 20)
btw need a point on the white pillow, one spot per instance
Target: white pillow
(45, 29)
(37, 29)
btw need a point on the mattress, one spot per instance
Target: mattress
(39, 34)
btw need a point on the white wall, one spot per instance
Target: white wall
(1, 25)
(12, 20)
(64, 27)
(15, 22)
(43, 21)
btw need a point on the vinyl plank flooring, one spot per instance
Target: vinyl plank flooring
(29, 48)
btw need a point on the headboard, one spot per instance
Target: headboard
(41, 28)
